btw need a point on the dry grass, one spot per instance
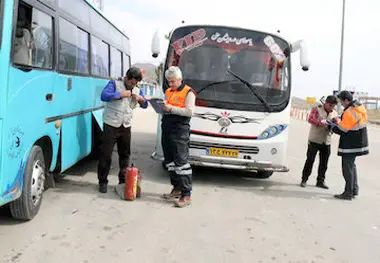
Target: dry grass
(374, 115)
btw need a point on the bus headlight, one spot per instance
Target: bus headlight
(272, 131)
(265, 135)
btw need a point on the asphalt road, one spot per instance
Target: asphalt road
(233, 218)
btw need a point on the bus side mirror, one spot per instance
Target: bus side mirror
(304, 58)
(156, 44)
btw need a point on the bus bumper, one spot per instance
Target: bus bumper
(230, 163)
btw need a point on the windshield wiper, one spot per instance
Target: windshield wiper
(252, 88)
(214, 83)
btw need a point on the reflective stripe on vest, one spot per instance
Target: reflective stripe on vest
(353, 119)
(177, 98)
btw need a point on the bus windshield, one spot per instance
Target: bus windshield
(214, 60)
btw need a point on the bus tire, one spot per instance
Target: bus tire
(28, 204)
(263, 174)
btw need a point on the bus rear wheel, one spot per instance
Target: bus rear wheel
(28, 204)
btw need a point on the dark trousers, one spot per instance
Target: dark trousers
(350, 175)
(324, 154)
(175, 145)
(122, 137)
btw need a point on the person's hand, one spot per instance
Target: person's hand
(324, 122)
(336, 120)
(138, 98)
(167, 107)
(125, 94)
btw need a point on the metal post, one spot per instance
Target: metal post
(341, 50)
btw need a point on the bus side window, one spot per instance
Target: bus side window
(42, 29)
(285, 76)
(73, 48)
(22, 45)
(33, 41)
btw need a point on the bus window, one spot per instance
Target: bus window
(23, 41)
(100, 57)
(77, 9)
(126, 63)
(73, 51)
(33, 42)
(115, 63)
(42, 32)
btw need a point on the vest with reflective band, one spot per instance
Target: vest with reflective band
(353, 127)
(321, 134)
(176, 98)
(119, 112)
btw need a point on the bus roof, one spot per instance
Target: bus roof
(101, 13)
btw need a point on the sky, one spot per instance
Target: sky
(318, 22)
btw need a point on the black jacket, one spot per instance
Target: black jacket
(353, 131)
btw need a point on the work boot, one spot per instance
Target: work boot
(183, 201)
(103, 188)
(322, 185)
(344, 196)
(173, 194)
(303, 184)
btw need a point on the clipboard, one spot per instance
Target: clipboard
(157, 104)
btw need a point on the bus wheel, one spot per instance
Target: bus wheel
(263, 174)
(28, 205)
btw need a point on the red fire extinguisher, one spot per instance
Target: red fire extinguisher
(131, 183)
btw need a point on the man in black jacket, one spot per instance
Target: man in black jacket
(353, 142)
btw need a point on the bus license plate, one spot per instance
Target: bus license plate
(223, 152)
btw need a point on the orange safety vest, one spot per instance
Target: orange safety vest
(353, 119)
(353, 131)
(177, 97)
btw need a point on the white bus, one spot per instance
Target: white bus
(243, 82)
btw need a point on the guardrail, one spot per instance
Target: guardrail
(299, 113)
(303, 114)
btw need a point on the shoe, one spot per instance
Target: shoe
(303, 184)
(103, 188)
(354, 195)
(183, 201)
(173, 194)
(322, 185)
(344, 197)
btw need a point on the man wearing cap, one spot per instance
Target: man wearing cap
(319, 140)
(353, 141)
